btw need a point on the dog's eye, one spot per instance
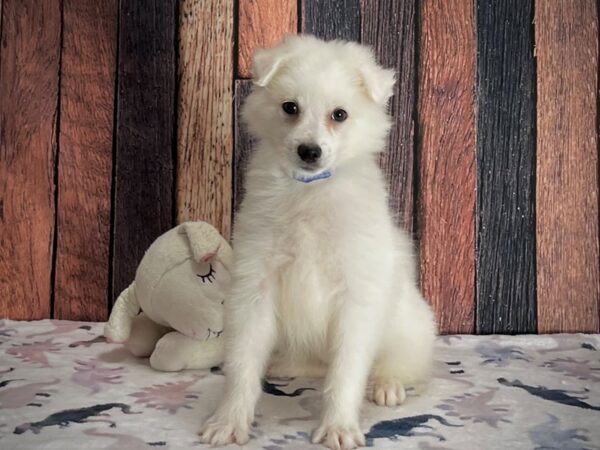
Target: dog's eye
(290, 108)
(339, 115)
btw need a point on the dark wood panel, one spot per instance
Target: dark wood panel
(243, 143)
(505, 167)
(331, 19)
(29, 84)
(389, 27)
(446, 124)
(205, 142)
(568, 282)
(143, 198)
(88, 70)
(262, 24)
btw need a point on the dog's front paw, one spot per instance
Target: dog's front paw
(222, 431)
(337, 437)
(386, 391)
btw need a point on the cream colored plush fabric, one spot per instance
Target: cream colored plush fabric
(178, 289)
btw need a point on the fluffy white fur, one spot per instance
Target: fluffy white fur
(323, 281)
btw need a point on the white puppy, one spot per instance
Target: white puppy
(322, 278)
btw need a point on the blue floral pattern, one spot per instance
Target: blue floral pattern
(62, 384)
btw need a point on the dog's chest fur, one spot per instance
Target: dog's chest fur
(307, 277)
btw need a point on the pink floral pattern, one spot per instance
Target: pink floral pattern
(34, 352)
(94, 373)
(168, 396)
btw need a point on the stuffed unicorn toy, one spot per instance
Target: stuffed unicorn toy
(173, 310)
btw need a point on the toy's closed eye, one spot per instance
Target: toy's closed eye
(209, 276)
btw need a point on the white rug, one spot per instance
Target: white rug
(63, 387)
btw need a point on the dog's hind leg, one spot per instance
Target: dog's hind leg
(405, 356)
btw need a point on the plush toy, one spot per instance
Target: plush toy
(173, 311)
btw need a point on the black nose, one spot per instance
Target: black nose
(309, 153)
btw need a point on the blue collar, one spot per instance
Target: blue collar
(319, 176)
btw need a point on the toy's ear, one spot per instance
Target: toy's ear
(204, 240)
(265, 64)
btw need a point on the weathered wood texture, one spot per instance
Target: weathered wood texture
(29, 84)
(566, 35)
(505, 167)
(205, 143)
(331, 19)
(446, 124)
(88, 69)
(389, 27)
(243, 143)
(143, 199)
(262, 24)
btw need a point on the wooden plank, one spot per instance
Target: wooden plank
(88, 69)
(505, 167)
(331, 19)
(262, 24)
(568, 281)
(243, 143)
(29, 83)
(143, 199)
(389, 27)
(205, 144)
(446, 124)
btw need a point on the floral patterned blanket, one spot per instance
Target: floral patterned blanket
(62, 386)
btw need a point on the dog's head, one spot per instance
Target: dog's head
(318, 105)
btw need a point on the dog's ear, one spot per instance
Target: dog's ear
(378, 82)
(265, 64)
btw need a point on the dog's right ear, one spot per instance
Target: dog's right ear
(265, 64)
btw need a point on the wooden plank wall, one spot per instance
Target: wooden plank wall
(506, 163)
(145, 130)
(262, 24)
(87, 87)
(120, 119)
(447, 161)
(331, 19)
(389, 26)
(566, 35)
(205, 142)
(29, 85)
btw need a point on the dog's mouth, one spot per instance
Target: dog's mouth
(307, 172)
(310, 168)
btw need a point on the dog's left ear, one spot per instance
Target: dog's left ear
(378, 82)
(265, 65)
